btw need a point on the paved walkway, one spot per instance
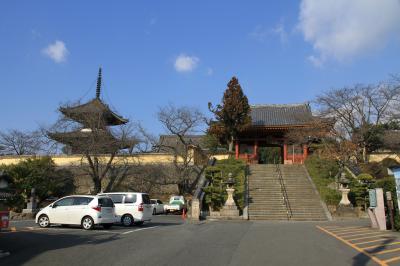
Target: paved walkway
(170, 241)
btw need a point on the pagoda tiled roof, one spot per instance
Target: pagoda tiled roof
(83, 113)
(275, 115)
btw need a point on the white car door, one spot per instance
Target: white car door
(59, 211)
(78, 210)
(160, 206)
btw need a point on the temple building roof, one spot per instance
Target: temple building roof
(94, 108)
(272, 115)
(89, 113)
(99, 141)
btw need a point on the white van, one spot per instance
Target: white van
(84, 210)
(131, 207)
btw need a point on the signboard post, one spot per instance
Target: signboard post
(372, 198)
(396, 172)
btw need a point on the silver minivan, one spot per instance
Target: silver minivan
(131, 207)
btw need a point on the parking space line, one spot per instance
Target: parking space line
(366, 237)
(348, 229)
(128, 232)
(386, 251)
(392, 259)
(372, 241)
(383, 245)
(355, 232)
(370, 232)
(377, 260)
(136, 230)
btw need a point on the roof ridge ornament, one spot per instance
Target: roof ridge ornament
(98, 88)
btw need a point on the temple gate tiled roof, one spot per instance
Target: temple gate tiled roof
(280, 114)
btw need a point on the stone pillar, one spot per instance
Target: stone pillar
(255, 147)
(379, 211)
(195, 210)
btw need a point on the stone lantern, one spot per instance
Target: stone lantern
(230, 210)
(344, 188)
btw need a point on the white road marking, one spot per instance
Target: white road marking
(140, 229)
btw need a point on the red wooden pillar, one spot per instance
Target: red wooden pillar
(305, 152)
(237, 149)
(284, 152)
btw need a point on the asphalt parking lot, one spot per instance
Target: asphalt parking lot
(168, 240)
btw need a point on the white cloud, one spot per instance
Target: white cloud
(261, 33)
(185, 63)
(57, 51)
(343, 29)
(279, 30)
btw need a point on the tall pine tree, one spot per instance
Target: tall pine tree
(231, 116)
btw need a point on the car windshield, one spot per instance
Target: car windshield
(153, 201)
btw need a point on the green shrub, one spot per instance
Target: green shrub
(365, 177)
(216, 192)
(323, 172)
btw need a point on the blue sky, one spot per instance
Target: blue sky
(184, 52)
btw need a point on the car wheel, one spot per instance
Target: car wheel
(107, 226)
(127, 220)
(87, 223)
(139, 223)
(154, 211)
(44, 221)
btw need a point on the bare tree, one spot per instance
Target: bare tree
(105, 151)
(181, 123)
(19, 142)
(358, 109)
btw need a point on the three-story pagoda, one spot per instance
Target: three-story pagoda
(94, 133)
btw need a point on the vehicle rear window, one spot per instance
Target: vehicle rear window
(146, 199)
(159, 202)
(130, 198)
(177, 198)
(106, 202)
(117, 198)
(82, 200)
(153, 201)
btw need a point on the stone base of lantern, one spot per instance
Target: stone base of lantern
(229, 211)
(346, 211)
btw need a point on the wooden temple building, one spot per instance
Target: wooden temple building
(265, 141)
(93, 133)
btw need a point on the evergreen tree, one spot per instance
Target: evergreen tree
(232, 115)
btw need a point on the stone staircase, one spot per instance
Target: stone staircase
(266, 198)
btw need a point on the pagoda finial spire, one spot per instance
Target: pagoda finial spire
(98, 84)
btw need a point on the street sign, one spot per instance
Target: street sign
(372, 198)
